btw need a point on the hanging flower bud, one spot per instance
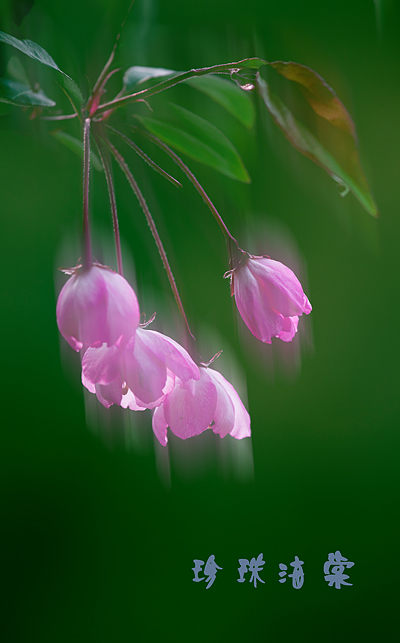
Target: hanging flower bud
(96, 305)
(269, 298)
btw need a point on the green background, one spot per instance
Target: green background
(97, 544)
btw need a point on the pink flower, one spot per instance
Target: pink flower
(138, 375)
(269, 298)
(96, 305)
(194, 406)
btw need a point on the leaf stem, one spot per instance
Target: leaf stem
(124, 167)
(106, 162)
(231, 242)
(251, 64)
(87, 246)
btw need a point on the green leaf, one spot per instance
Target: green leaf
(36, 52)
(228, 95)
(349, 175)
(222, 91)
(200, 140)
(76, 145)
(136, 75)
(22, 95)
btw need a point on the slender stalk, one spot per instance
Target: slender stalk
(87, 246)
(124, 167)
(144, 156)
(106, 162)
(62, 117)
(232, 244)
(250, 64)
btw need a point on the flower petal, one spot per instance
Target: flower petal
(101, 365)
(289, 328)
(88, 384)
(186, 414)
(123, 308)
(129, 401)
(254, 307)
(82, 308)
(280, 285)
(224, 414)
(160, 425)
(174, 356)
(144, 373)
(241, 426)
(110, 394)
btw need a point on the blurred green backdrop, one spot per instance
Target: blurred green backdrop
(96, 544)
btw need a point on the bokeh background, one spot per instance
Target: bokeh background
(98, 536)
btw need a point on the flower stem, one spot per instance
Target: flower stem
(231, 243)
(61, 117)
(87, 246)
(106, 161)
(124, 167)
(144, 156)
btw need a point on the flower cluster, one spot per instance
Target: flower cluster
(137, 368)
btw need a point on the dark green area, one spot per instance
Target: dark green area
(94, 546)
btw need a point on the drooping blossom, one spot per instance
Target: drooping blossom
(96, 305)
(269, 298)
(138, 375)
(211, 402)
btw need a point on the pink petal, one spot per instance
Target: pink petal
(110, 394)
(174, 356)
(88, 384)
(224, 414)
(167, 389)
(187, 414)
(254, 307)
(82, 308)
(101, 365)
(129, 401)
(279, 284)
(307, 308)
(289, 328)
(144, 373)
(160, 426)
(241, 426)
(123, 308)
